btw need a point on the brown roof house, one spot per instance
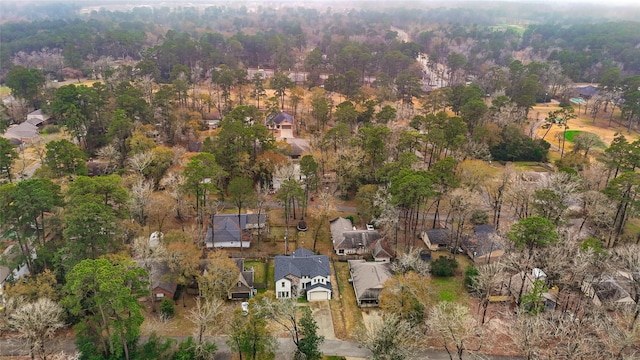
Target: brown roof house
(347, 240)
(484, 245)
(162, 280)
(244, 286)
(368, 280)
(437, 239)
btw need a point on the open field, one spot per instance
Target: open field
(583, 122)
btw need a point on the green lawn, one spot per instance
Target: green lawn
(448, 289)
(270, 274)
(452, 288)
(570, 134)
(260, 270)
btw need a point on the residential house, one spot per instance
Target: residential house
(24, 132)
(347, 240)
(37, 118)
(298, 77)
(522, 284)
(225, 232)
(281, 125)
(483, 245)
(610, 289)
(163, 282)
(266, 73)
(303, 274)
(380, 251)
(588, 91)
(368, 280)
(244, 286)
(437, 239)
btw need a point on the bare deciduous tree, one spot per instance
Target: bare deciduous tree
(110, 157)
(140, 161)
(36, 323)
(150, 257)
(488, 278)
(205, 315)
(456, 330)
(390, 338)
(411, 261)
(140, 197)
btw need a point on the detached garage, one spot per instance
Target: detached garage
(318, 292)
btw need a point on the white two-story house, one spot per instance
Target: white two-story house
(303, 274)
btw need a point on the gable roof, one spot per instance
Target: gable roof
(22, 131)
(439, 236)
(369, 277)
(302, 262)
(161, 276)
(226, 229)
(345, 236)
(483, 241)
(246, 277)
(379, 251)
(588, 90)
(278, 119)
(246, 220)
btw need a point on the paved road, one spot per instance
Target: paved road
(14, 347)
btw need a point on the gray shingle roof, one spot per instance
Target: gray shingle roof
(279, 118)
(344, 236)
(482, 241)
(369, 278)
(302, 262)
(439, 236)
(225, 226)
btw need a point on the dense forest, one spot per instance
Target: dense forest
(462, 120)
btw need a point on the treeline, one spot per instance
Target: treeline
(585, 48)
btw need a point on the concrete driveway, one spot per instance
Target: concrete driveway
(322, 315)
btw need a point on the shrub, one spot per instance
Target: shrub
(470, 276)
(444, 266)
(479, 217)
(51, 129)
(166, 308)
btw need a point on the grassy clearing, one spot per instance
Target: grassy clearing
(331, 357)
(452, 288)
(530, 166)
(269, 275)
(4, 91)
(346, 314)
(260, 270)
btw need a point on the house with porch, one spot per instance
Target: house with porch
(368, 280)
(303, 274)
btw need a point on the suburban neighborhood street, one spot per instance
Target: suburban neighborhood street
(353, 350)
